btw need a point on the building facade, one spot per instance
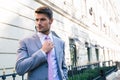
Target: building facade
(90, 28)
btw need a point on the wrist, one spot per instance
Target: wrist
(43, 51)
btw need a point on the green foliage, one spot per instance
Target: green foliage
(89, 74)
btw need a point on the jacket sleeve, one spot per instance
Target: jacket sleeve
(25, 62)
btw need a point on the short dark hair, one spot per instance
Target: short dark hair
(45, 10)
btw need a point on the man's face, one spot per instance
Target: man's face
(43, 23)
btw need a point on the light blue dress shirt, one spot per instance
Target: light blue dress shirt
(53, 57)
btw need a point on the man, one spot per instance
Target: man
(42, 55)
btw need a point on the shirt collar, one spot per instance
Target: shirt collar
(42, 36)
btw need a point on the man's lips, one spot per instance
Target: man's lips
(40, 26)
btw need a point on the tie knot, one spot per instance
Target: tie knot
(47, 38)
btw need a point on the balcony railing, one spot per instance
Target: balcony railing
(13, 75)
(96, 71)
(7, 74)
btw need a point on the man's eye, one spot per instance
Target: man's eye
(36, 19)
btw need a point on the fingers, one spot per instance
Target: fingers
(49, 43)
(47, 46)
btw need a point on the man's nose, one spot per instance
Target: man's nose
(39, 21)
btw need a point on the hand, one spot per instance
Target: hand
(47, 46)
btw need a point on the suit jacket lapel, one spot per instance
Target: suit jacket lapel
(57, 54)
(56, 48)
(37, 41)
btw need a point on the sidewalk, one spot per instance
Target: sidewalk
(114, 76)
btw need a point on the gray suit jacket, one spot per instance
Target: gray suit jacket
(31, 60)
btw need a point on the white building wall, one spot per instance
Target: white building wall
(70, 21)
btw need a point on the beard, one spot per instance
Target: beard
(44, 31)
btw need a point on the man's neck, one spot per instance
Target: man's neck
(45, 32)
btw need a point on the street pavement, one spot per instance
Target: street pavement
(114, 76)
